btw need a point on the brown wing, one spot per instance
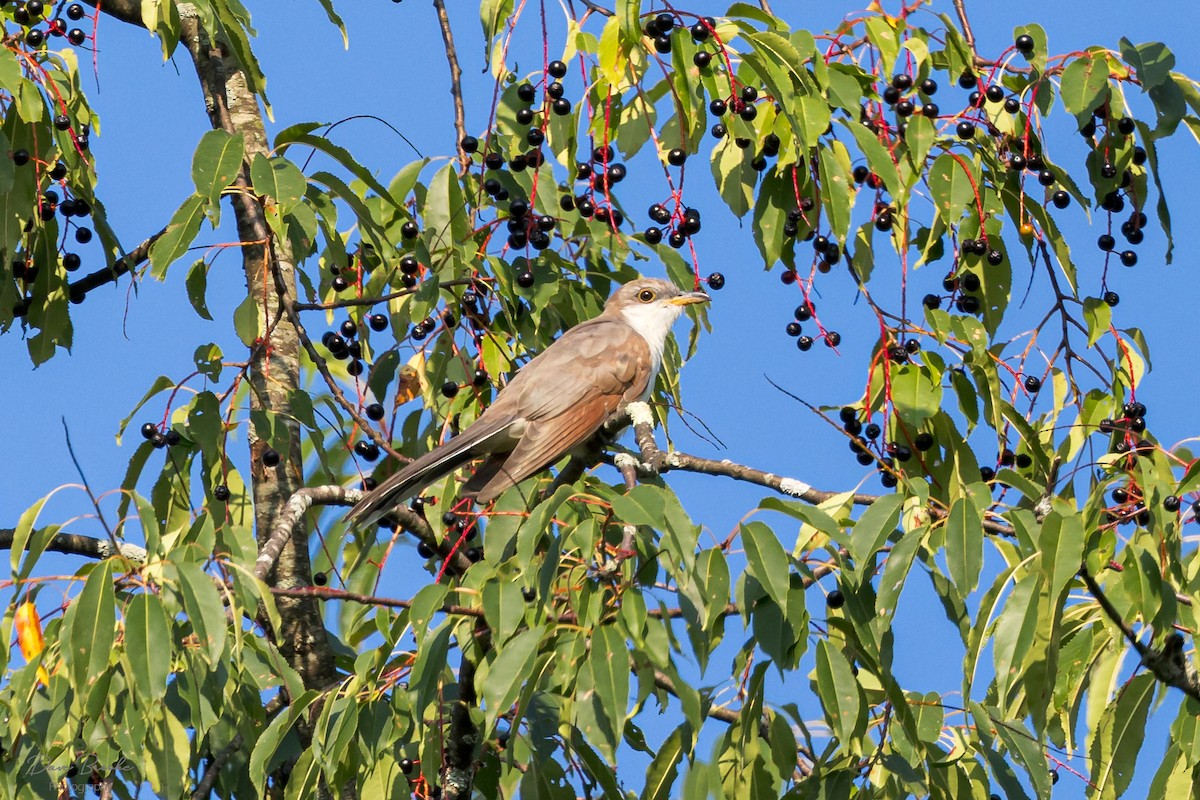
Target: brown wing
(566, 393)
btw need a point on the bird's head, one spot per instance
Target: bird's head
(651, 305)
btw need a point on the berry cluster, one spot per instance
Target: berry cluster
(661, 28)
(868, 449)
(827, 252)
(160, 439)
(29, 14)
(50, 203)
(1127, 429)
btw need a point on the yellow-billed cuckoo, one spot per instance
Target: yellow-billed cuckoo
(554, 403)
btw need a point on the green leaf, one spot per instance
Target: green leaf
(279, 179)
(446, 209)
(915, 394)
(664, 768)
(507, 673)
(711, 573)
(147, 658)
(1015, 630)
(952, 183)
(197, 288)
(245, 320)
(262, 759)
(170, 751)
(1062, 542)
(301, 135)
(180, 233)
(964, 544)
(202, 603)
(873, 528)
(208, 361)
(839, 693)
(642, 505)
(609, 661)
(336, 20)
(895, 572)
(20, 542)
(834, 162)
(216, 163)
(1153, 62)
(1098, 315)
(804, 512)
(492, 15)
(93, 627)
(767, 560)
(734, 176)
(881, 34)
(1084, 84)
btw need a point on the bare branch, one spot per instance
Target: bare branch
(655, 461)
(75, 544)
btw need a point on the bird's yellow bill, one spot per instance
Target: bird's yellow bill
(688, 299)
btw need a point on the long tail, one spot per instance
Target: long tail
(435, 464)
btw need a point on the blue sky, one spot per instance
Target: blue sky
(152, 116)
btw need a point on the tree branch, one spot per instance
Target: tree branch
(1168, 665)
(77, 290)
(655, 461)
(75, 544)
(127, 11)
(960, 9)
(205, 785)
(304, 499)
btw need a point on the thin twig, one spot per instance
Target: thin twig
(87, 487)
(460, 117)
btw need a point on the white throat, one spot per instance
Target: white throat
(653, 322)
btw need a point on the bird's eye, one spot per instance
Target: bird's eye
(646, 295)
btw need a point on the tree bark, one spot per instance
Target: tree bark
(275, 368)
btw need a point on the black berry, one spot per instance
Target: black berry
(269, 458)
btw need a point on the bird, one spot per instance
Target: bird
(553, 404)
